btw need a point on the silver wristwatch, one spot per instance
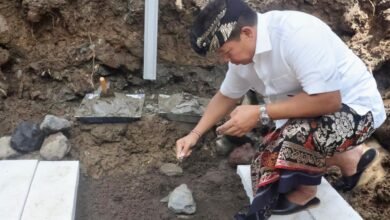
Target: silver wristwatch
(264, 117)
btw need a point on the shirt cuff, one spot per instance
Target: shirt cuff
(321, 87)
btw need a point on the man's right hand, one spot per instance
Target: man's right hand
(184, 145)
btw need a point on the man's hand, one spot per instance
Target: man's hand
(242, 119)
(184, 144)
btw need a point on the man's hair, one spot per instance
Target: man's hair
(218, 22)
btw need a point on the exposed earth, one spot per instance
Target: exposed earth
(52, 53)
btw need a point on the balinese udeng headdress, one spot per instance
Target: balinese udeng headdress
(209, 32)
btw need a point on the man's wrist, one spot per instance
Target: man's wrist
(264, 118)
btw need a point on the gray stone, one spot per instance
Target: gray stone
(6, 150)
(182, 107)
(311, 2)
(53, 124)
(181, 201)
(55, 147)
(171, 169)
(27, 137)
(223, 146)
(382, 133)
(103, 71)
(4, 31)
(242, 155)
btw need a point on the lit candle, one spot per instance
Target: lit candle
(103, 85)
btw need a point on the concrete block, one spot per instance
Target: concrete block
(15, 180)
(53, 191)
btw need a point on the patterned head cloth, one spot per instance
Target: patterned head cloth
(214, 25)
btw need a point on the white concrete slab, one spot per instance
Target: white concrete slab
(53, 192)
(244, 171)
(332, 205)
(15, 180)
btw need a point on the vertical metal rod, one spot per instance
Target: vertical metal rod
(150, 39)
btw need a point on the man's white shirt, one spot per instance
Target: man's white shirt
(297, 52)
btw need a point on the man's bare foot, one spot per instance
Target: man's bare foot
(302, 195)
(346, 161)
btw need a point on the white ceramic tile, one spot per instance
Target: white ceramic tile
(304, 215)
(53, 191)
(332, 205)
(244, 171)
(15, 181)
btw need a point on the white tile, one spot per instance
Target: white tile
(15, 181)
(53, 191)
(244, 171)
(303, 215)
(332, 205)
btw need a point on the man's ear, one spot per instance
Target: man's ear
(248, 31)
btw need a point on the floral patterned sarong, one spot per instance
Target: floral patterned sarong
(303, 144)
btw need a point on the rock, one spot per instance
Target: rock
(55, 147)
(27, 137)
(4, 56)
(382, 133)
(311, 2)
(37, 9)
(181, 201)
(223, 146)
(103, 71)
(52, 124)
(171, 169)
(182, 107)
(66, 94)
(5, 36)
(6, 150)
(242, 155)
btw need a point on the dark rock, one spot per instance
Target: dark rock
(382, 133)
(242, 155)
(103, 71)
(27, 137)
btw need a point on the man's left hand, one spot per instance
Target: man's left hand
(242, 119)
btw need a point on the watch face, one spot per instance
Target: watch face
(264, 120)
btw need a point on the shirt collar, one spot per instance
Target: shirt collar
(263, 42)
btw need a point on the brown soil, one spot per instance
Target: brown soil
(56, 50)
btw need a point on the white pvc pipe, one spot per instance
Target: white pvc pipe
(150, 39)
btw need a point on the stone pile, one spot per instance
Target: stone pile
(47, 137)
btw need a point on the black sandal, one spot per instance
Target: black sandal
(285, 207)
(347, 183)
